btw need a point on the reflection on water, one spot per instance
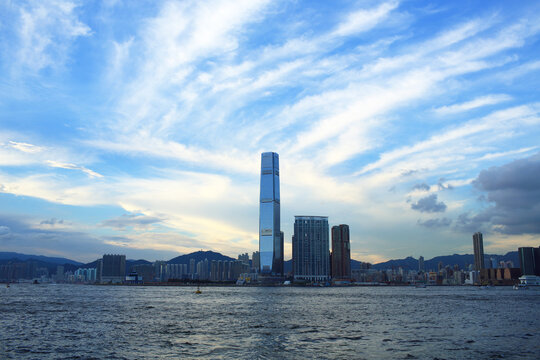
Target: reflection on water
(74, 321)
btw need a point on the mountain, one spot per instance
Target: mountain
(462, 261)
(45, 259)
(199, 256)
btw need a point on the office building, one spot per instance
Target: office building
(529, 260)
(112, 268)
(192, 268)
(270, 238)
(341, 252)
(255, 260)
(311, 257)
(421, 266)
(478, 244)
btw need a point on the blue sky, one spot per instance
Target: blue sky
(137, 127)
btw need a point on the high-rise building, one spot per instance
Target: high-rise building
(113, 268)
(529, 260)
(341, 252)
(478, 244)
(192, 268)
(421, 266)
(270, 238)
(311, 257)
(256, 262)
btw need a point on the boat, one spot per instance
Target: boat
(198, 291)
(529, 280)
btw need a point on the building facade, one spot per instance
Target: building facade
(311, 257)
(478, 244)
(529, 260)
(341, 252)
(270, 238)
(112, 269)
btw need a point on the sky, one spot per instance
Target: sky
(136, 127)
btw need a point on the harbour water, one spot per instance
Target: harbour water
(119, 322)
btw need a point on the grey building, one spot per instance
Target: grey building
(529, 260)
(270, 238)
(256, 262)
(341, 252)
(311, 257)
(478, 244)
(112, 269)
(421, 266)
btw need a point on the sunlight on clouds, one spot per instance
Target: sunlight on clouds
(456, 138)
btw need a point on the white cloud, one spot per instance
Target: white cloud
(25, 147)
(4, 230)
(473, 104)
(46, 32)
(89, 172)
(363, 20)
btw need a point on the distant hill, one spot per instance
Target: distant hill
(45, 259)
(462, 261)
(199, 256)
(410, 263)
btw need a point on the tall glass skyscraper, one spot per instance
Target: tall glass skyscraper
(270, 235)
(311, 255)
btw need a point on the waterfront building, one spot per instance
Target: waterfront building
(226, 270)
(85, 275)
(160, 270)
(478, 244)
(112, 268)
(219, 276)
(421, 266)
(145, 272)
(244, 257)
(255, 261)
(341, 252)
(213, 270)
(270, 237)
(529, 260)
(192, 268)
(311, 258)
(59, 273)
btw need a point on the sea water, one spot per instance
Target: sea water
(149, 322)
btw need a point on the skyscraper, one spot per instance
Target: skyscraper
(270, 238)
(529, 260)
(478, 244)
(341, 252)
(421, 267)
(311, 258)
(112, 268)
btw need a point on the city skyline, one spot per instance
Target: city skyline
(137, 128)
